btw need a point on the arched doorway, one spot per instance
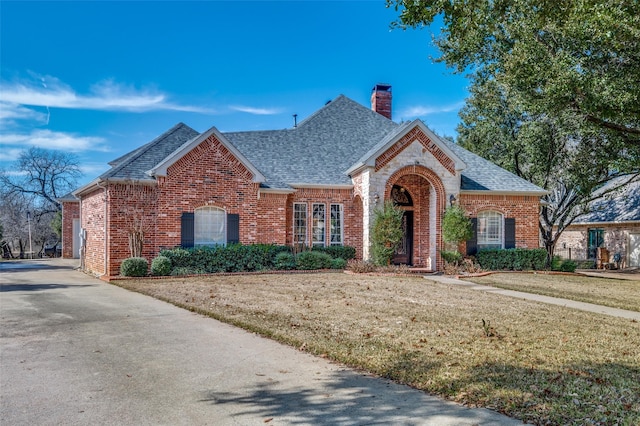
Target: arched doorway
(402, 199)
(419, 192)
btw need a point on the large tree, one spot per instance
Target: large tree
(536, 148)
(576, 61)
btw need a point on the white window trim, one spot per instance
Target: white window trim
(341, 230)
(306, 224)
(491, 244)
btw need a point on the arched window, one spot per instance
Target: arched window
(490, 230)
(210, 226)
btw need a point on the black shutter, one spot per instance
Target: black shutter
(233, 228)
(510, 233)
(472, 244)
(186, 230)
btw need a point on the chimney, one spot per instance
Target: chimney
(381, 99)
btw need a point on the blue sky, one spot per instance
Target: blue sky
(99, 79)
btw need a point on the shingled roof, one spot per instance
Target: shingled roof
(319, 151)
(621, 205)
(135, 164)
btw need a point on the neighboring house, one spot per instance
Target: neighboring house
(317, 183)
(613, 223)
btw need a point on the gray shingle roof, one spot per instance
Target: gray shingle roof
(483, 175)
(622, 205)
(135, 164)
(319, 151)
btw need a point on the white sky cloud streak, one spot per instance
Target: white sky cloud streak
(106, 95)
(422, 110)
(50, 140)
(256, 111)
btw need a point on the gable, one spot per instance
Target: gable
(391, 146)
(202, 141)
(416, 134)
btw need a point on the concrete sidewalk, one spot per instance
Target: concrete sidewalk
(599, 309)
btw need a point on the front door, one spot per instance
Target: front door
(403, 253)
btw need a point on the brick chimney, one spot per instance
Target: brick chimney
(381, 99)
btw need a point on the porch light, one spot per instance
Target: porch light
(452, 199)
(376, 198)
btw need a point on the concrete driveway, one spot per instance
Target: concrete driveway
(75, 350)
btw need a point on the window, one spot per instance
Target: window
(336, 225)
(210, 226)
(490, 230)
(300, 223)
(318, 224)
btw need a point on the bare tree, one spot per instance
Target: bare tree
(44, 175)
(38, 178)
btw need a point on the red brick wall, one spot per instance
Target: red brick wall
(208, 175)
(70, 211)
(93, 221)
(523, 208)
(131, 207)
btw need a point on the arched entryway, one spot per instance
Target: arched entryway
(403, 200)
(421, 195)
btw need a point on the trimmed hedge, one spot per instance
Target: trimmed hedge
(255, 257)
(134, 267)
(512, 259)
(337, 252)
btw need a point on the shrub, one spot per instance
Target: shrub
(313, 260)
(285, 261)
(342, 252)
(512, 259)
(134, 267)
(386, 233)
(338, 263)
(179, 257)
(568, 266)
(456, 227)
(161, 265)
(452, 257)
(185, 270)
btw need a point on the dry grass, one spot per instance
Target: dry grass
(615, 293)
(539, 363)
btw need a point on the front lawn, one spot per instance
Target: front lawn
(622, 294)
(540, 363)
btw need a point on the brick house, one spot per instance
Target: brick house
(317, 183)
(613, 223)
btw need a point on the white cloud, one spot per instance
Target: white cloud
(107, 95)
(256, 111)
(11, 112)
(51, 140)
(9, 154)
(422, 110)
